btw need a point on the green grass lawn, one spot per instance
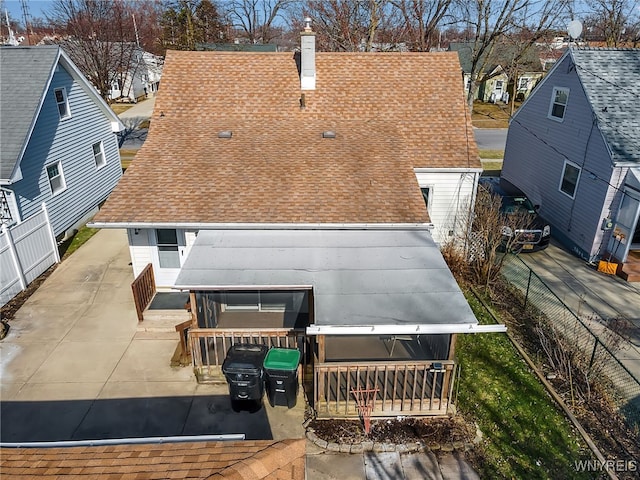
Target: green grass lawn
(525, 433)
(71, 245)
(492, 154)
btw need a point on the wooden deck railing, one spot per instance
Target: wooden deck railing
(144, 289)
(209, 346)
(403, 387)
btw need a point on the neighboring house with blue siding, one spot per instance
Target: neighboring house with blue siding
(574, 148)
(58, 139)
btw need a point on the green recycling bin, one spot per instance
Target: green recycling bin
(281, 368)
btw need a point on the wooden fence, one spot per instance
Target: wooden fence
(144, 289)
(403, 387)
(209, 346)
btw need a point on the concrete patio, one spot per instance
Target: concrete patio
(75, 366)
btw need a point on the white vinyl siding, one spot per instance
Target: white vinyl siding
(559, 100)
(140, 250)
(570, 178)
(63, 103)
(450, 194)
(143, 250)
(168, 250)
(56, 178)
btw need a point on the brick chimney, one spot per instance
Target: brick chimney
(308, 54)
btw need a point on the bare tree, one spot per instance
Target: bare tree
(421, 21)
(350, 26)
(491, 21)
(615, 21)
(100, 38)
(491, 232)
(256, 18)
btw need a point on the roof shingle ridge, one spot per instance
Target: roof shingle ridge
(607, 49)
(281, 454)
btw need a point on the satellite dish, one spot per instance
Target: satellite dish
(575, 29)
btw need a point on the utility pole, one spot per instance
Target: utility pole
(135, 29)
(27, 23)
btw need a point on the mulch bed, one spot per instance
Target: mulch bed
(8, 311)
(398, 431)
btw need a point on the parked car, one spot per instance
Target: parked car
(533, 236)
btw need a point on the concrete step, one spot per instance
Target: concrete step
(630, 272)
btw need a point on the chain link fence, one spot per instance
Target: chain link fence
(592, 337)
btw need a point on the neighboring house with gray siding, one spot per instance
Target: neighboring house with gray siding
(58, 139)
(574, 148)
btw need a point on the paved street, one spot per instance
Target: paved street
(490, 138)
(133, 137)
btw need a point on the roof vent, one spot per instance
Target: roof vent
(329, 134)
(225, 134)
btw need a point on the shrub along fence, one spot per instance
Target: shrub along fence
(596, 342)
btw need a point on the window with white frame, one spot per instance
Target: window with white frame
(523, 83)
(570, 178)
(63, 103)
(168, 255)
(426, 195)
(559, 100)
(56, 177)
(98, 154)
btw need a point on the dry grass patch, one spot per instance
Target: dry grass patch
(118, 108)
(491, 115)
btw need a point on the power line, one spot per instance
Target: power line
(25, 16)
(635, 94)
(593, 174)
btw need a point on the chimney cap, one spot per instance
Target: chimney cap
(307, 24)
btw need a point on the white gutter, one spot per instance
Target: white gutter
(420, 329)
(266, 226)
(241, 287)
(446, 170)
(126, 441)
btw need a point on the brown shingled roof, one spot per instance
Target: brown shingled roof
(391, 113)
(259, 459)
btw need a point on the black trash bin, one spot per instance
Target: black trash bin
(281, 367)
(242, 368)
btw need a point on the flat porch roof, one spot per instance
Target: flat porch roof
(362, 280)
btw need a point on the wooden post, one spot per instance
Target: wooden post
(320, 375)
(452, 346)
(194, 309)
(321, 351)
(311, 307)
